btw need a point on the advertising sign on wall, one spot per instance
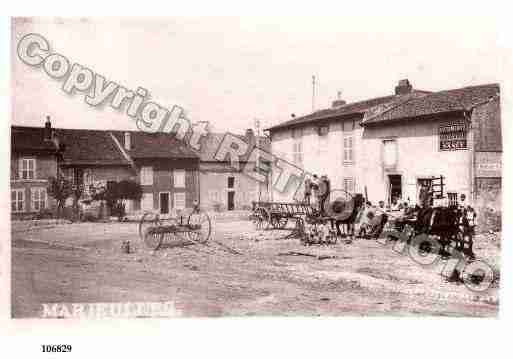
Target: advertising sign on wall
(453, 136)
(488, 164)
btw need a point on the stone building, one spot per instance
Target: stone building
(223, 187)
(387, 146)
(330, 142)
(35, 154)
(412, 140)
(167, 171)
(172, 176)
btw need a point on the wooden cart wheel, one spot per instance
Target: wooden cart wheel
(267, 216)
(255, 218)
(148, 219)
(200, 226)
(260, 218)
(148, 230)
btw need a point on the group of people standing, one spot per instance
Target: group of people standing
(317, 191)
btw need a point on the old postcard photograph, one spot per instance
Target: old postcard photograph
(228, 167)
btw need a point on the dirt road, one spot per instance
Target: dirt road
(83, 263)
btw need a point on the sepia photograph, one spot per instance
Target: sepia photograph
(196, 167)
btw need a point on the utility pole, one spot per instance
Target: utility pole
(313, 93)
(257, 160)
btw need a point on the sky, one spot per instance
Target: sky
(231, 71)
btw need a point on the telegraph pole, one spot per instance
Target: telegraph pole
(257, 160)
(313, 93)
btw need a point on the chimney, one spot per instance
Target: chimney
(47, 132)
(128, 141)
(403, 87)
(338, 102)
(250, 137)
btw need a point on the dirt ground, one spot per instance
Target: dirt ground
(84, 263)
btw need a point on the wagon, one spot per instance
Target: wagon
(276, 215)
(194, 228)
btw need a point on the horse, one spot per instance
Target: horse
(450, 225)
(346, 213)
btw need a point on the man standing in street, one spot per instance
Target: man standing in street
(308, 191)
(324, 192)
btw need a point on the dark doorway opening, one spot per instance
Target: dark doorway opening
(396, 189)
(164, 203)
(231, 200)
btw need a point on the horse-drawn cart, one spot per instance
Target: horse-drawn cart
(276, 215)
(312, 225)
(195, 227)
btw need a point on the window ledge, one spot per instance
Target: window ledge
(28, 180)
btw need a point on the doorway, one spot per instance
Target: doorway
(231, 200)
(231, 193)
(395, 187)
(164, 202)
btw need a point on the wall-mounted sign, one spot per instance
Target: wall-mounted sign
(453, 136)
(488, 164)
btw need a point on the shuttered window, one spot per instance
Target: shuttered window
(179, 200)
(27, 168)
(348, 149)
(349, 184)
(179, 178)
(38, 199)
(17, 200)
(390, 153)
(147, 176)
(147, 201)
(297, 146)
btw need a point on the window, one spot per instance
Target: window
(179, 200)
(27, 168)
(323, 140)
(17, 200)
(453, 198)
(231, 181)
(348, 184)
(348, 148)
(389, 153)
(297, 147)
(323, 130)
(127, 141)
(88, 181)
(38, 199)
(179, 178)
(146, 175)
(213, 195)
(147, 201)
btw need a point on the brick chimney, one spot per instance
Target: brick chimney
(403, 87)
(47, 132)
(338, 102)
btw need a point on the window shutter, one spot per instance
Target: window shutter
(390, 153)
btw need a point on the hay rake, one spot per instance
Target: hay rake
(195, 228)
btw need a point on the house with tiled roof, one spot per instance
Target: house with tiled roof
(329, 141)
(386, 147)
(437, 134)
(166, 169)
(35, 155)
(224, 187)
